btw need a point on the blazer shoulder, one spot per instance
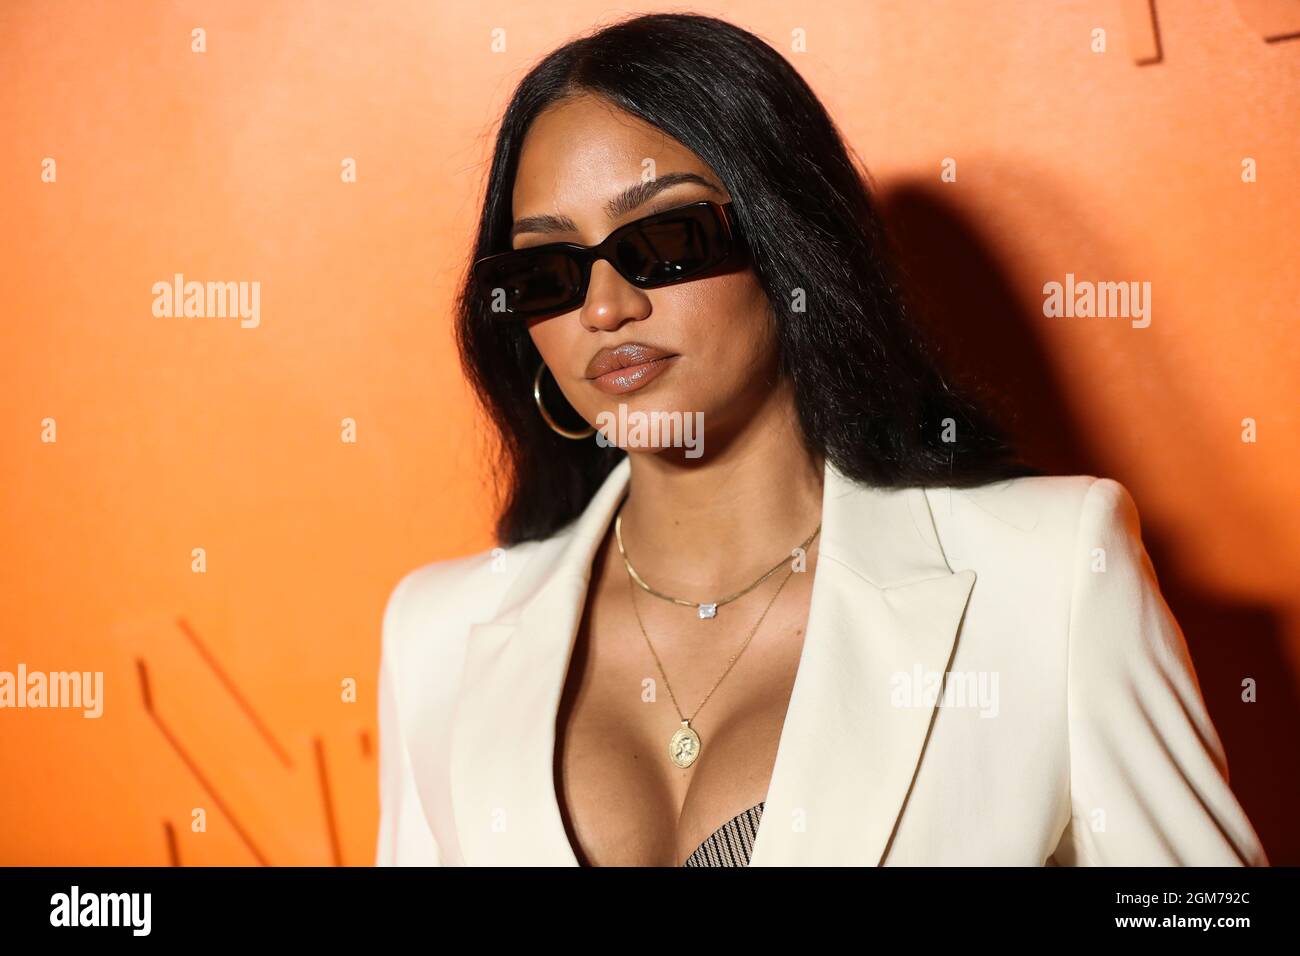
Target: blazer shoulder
(1038, 504)
(1037, 520)
(448, 595)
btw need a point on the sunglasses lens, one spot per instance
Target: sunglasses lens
(658, 250)
(672, 247)
(530, 283)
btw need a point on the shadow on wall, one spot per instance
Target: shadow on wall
(951, 270)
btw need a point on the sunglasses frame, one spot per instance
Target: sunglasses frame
(733, 247)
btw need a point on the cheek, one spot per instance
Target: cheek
(557, 340)
(726, 321)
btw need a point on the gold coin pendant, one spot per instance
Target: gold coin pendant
(684, 747)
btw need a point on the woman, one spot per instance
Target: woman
(849, 627)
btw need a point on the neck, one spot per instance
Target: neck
(698, 528)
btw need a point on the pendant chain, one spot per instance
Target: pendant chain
(685, 746)
(732, 662)
(707, 610)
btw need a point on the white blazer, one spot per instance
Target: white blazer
(1071, 730)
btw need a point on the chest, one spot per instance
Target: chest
(629, 684)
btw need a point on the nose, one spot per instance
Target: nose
(611, 300)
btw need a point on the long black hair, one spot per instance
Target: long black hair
(869, 395)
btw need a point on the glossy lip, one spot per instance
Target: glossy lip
(627, 367)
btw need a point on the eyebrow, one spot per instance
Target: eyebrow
(631, 198)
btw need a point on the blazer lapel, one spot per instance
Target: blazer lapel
(882, 626)
(884, 614)
(503, 730)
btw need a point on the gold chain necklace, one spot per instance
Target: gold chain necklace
(705, 610)
(685, 744)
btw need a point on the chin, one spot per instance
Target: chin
(652, 423)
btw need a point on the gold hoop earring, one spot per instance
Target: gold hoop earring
(555, 426)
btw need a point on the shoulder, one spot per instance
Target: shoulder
(1040, 524)
(444, 597)
(1042, 507)
(438, 584)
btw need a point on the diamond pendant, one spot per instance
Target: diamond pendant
(707, 611)
(684, 746)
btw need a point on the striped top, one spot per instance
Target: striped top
(731, 844)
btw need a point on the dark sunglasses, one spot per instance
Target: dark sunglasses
(685, 243)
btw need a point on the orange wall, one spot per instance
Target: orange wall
(223, 689)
